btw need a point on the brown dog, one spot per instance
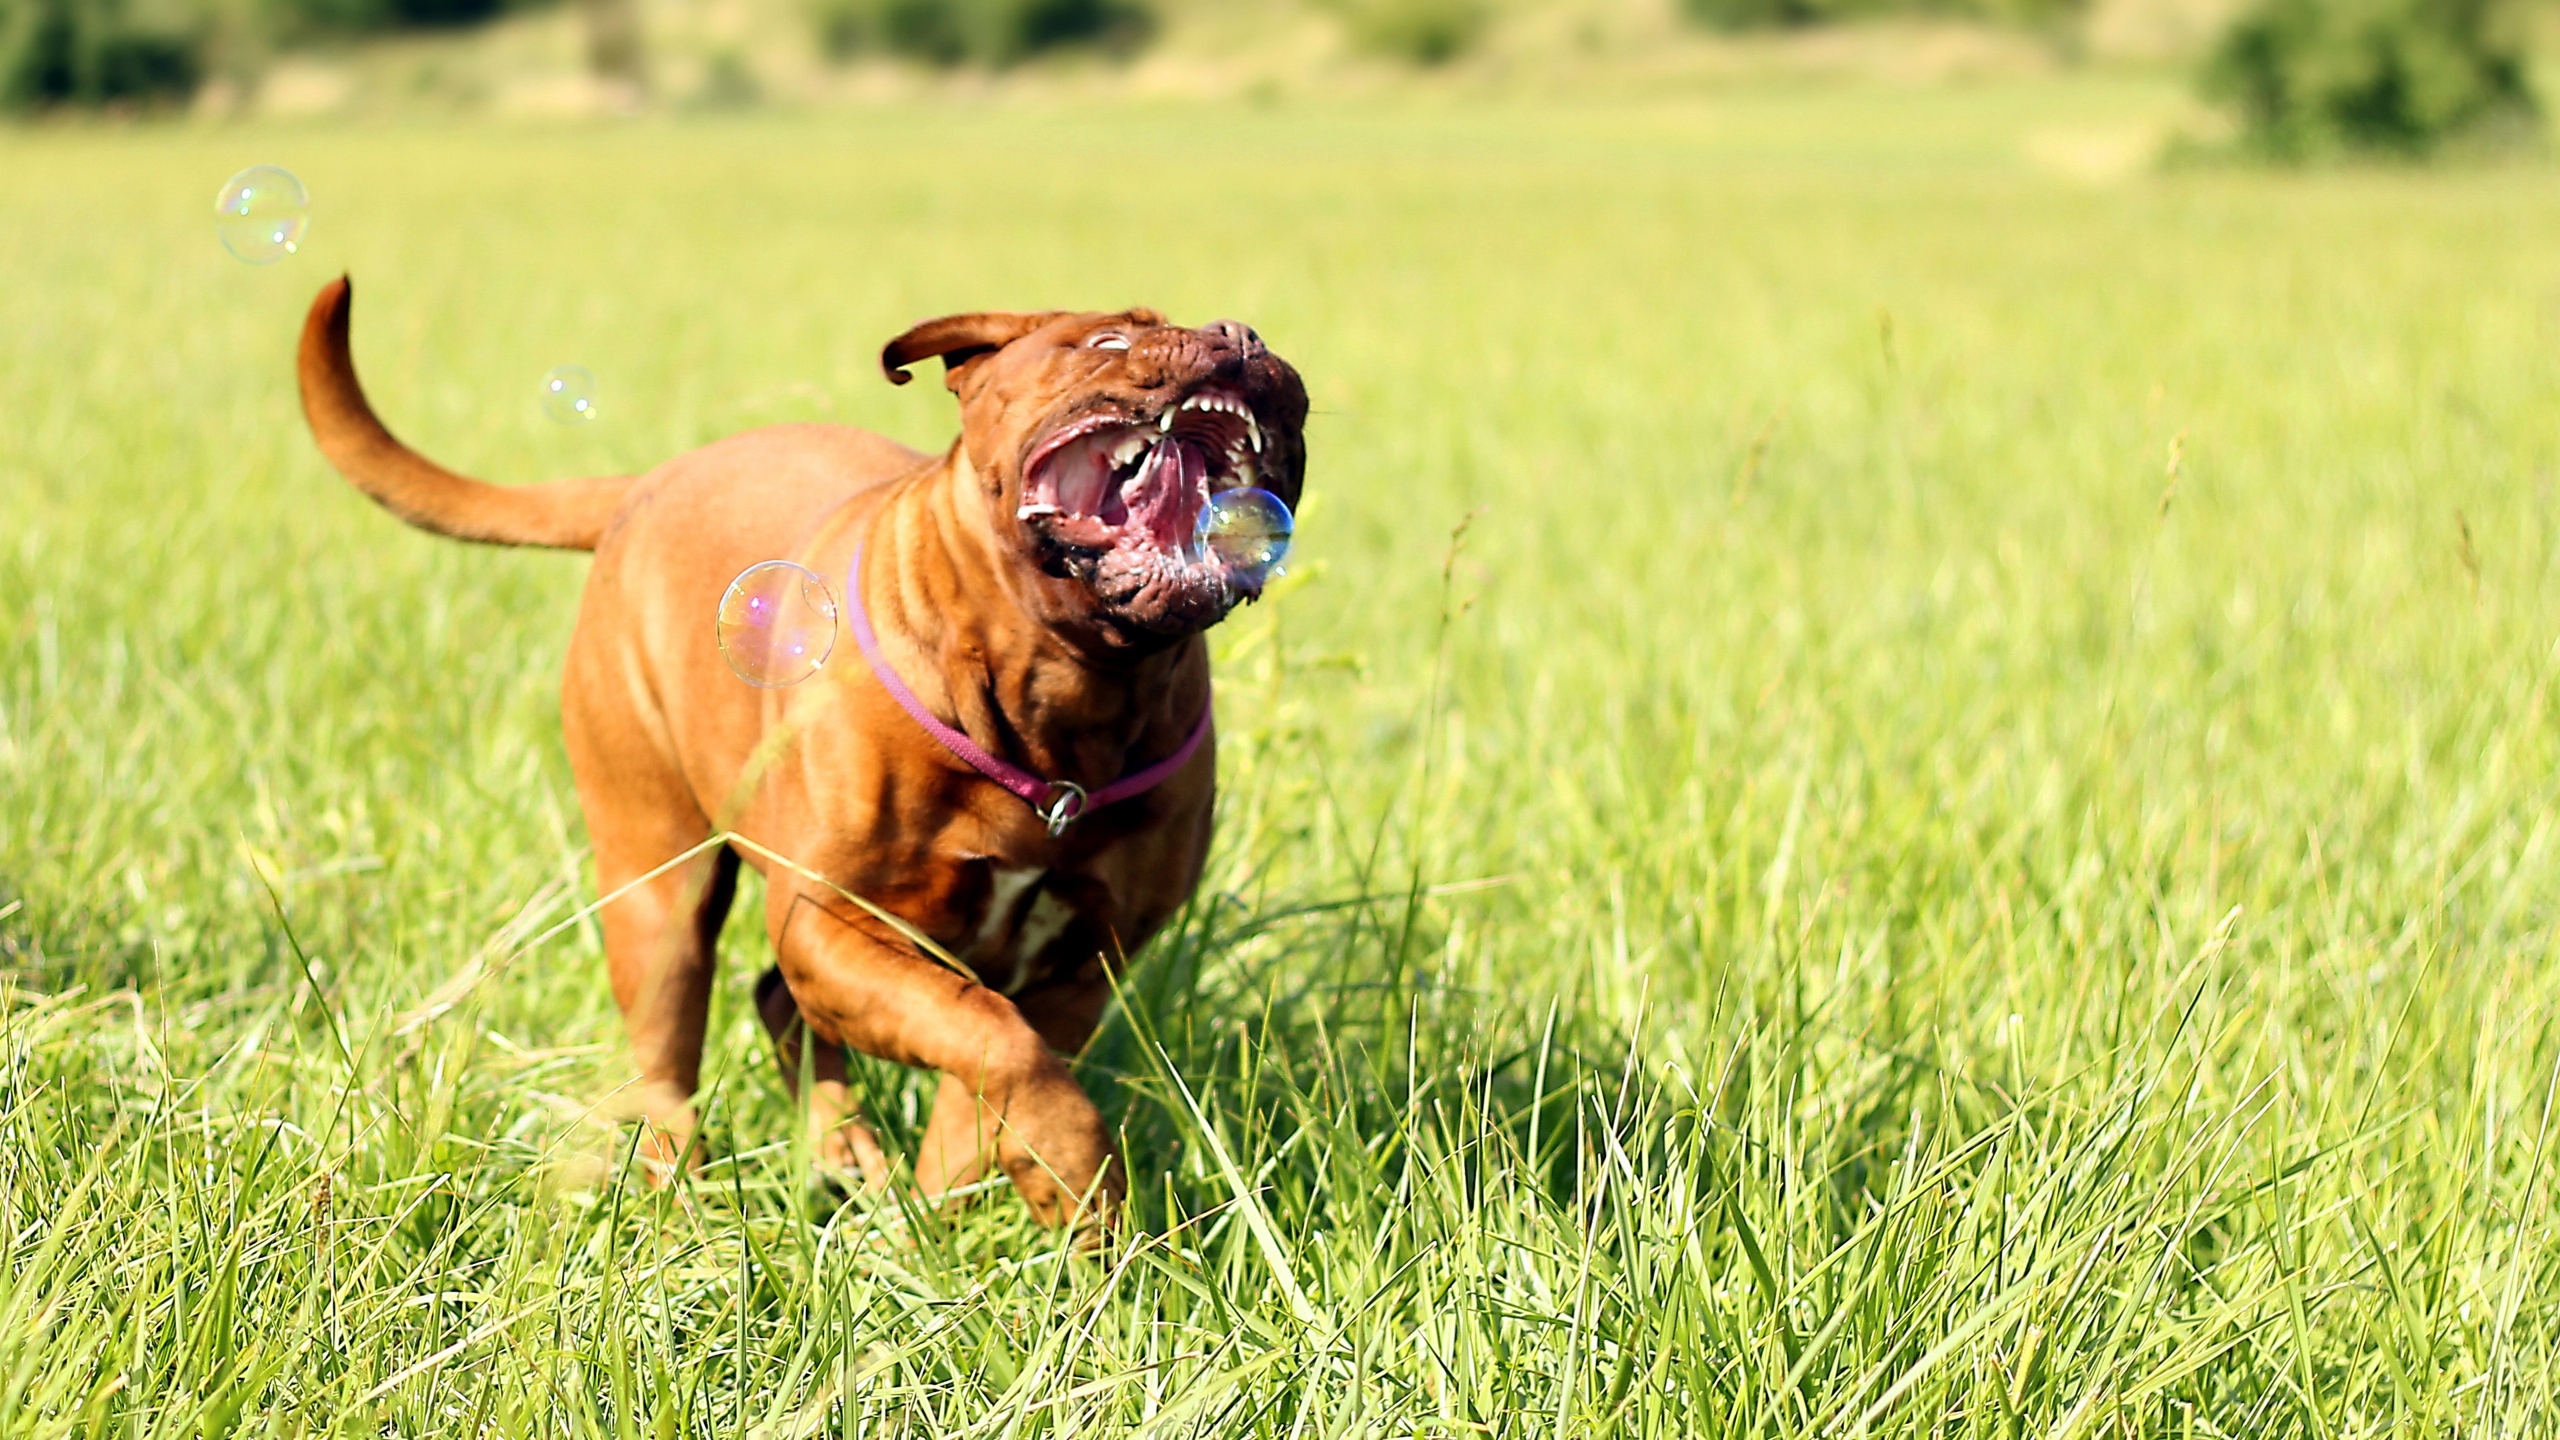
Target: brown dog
(1033, 587)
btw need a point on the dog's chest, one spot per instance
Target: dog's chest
(1020, 919)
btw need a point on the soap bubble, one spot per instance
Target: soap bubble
(1248, 530)
(262, 212)
(777, 623)
(569, 394)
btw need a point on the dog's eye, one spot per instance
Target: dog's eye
(1109, 340)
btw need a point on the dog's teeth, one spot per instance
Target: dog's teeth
(1253, 432)
(1028, 512)
(1165, 424)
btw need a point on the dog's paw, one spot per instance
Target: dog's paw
(849, 1157)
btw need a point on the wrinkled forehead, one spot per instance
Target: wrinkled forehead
(1033, 362)
(1134, 321)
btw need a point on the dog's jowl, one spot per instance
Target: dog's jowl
(1008, 758)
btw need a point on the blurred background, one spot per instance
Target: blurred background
(2283, 79)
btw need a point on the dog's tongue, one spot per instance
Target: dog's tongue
(1167, 492)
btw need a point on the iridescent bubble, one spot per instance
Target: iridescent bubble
(569, 394)
(777, 623)
(1248, 530)
(261, 214)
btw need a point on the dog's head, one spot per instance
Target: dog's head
(1100, 438)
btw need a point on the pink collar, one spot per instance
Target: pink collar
(1059, 802)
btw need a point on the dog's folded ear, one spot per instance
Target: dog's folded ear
(959, 339)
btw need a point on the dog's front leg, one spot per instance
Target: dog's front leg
(1005, 1094)
(962, 1137)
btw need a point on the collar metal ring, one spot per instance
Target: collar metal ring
(1063, 810)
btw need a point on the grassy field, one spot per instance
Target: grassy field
(1963, 846)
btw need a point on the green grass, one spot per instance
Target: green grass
(1864, 894)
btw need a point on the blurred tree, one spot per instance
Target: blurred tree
(2312, 77)
(1774, 14)
(1418, 32)
(979, 32)
(94, 52)
(614, 51)
(346, 17)
(1750, 14)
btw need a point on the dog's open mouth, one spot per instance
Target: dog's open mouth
(1118, 501)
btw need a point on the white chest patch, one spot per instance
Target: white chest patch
(1021, 921)
(1048, 918)
(1004, 902)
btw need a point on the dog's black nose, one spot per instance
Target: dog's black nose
(1237, 334)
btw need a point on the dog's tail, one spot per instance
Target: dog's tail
(564, 515)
